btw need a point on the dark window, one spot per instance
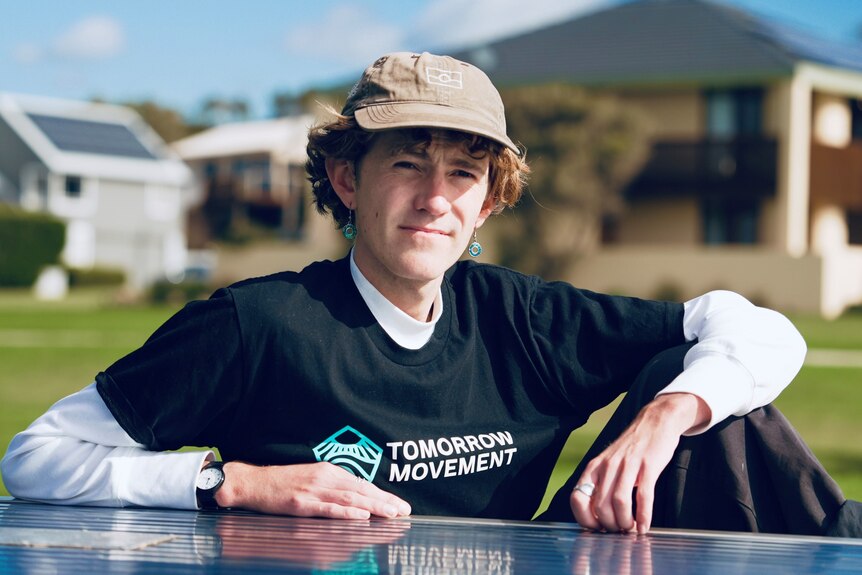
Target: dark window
(733, 113)
(729, 221)
(73, 187)
(856, 118)
(854, 228)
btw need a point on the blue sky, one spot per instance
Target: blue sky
(179, 52)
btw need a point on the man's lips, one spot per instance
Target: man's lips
(424, 230)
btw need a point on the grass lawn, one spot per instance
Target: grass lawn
(50, 350)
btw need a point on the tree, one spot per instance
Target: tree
(583, 150)
(167, 122)
(307, 102)
(216, 110)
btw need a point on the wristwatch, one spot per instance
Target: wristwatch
(210, 480)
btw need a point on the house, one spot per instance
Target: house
(755, 178)
(122, 193)
(252, 174)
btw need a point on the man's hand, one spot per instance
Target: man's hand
(635, 459)
(306, 490)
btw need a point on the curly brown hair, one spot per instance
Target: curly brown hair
(344, 139)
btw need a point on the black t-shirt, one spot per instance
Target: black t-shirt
(293, 368)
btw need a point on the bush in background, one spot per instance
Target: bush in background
(96, 277)
(28, 242)
(165, 292)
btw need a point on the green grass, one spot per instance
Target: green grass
(86, 333)
(49, 350)
(843, 333)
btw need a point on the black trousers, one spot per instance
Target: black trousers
(751, 473)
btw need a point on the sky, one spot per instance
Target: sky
(180, 52)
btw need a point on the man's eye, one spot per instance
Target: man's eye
(465, 174)
(405, 165)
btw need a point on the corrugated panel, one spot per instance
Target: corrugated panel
(72, 135)
(166, 541)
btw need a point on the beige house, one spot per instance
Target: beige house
(755, 179)
(255, 172)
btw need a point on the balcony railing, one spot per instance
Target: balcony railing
(740, 167)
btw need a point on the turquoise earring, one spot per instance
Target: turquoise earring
(475, 249)
(349, 230)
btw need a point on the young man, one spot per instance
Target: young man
(400, 379)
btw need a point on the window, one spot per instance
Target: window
(856, 118)
(733, 113)
(729, 221)
(731, 116)
(73, 187)
(854, 228)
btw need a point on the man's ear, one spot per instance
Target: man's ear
(486, 211)
(343, 180)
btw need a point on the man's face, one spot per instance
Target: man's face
(416, 208)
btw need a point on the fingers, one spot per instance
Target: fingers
(581, 504)
(311, 490)
(610, 506)
(645, 500)
(361, 499)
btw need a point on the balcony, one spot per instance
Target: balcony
(736, 168)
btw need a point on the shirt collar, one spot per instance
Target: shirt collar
(404, 330)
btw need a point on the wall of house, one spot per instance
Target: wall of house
(14, 154)
(321, 240)
(129, 225)
(763, 275)
(662, 221)
(674, 113)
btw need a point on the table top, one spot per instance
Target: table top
(37, 538)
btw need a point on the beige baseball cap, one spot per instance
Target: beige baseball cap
(407, 90)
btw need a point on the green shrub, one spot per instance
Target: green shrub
(96, 277)
(28, 242)
(165, 292)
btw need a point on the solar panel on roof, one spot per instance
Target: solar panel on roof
(91, 137)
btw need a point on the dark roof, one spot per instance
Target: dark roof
(72, 135)
(658, 41)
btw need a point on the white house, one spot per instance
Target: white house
(122, 192)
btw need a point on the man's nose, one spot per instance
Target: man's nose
(434, 195)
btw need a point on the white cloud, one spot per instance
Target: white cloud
(349, 35)
(464, 23)
(95, 37)
(27, 54)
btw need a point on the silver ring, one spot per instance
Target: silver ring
(586, 488)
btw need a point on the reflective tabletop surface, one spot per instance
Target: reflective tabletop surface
(38, 538)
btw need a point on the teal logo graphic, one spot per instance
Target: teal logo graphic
(351, 450)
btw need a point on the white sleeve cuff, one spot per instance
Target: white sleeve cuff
(724, 385)
(159, 479)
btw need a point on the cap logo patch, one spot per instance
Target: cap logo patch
(445, 78)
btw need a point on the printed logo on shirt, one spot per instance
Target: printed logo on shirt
(351, 450)
(421, 459)
(450, 456)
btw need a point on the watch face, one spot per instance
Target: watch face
(209, 478)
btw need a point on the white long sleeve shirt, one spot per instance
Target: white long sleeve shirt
(77, 453)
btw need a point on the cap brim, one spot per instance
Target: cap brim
(424, 115)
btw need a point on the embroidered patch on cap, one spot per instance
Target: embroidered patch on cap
(441, 77)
